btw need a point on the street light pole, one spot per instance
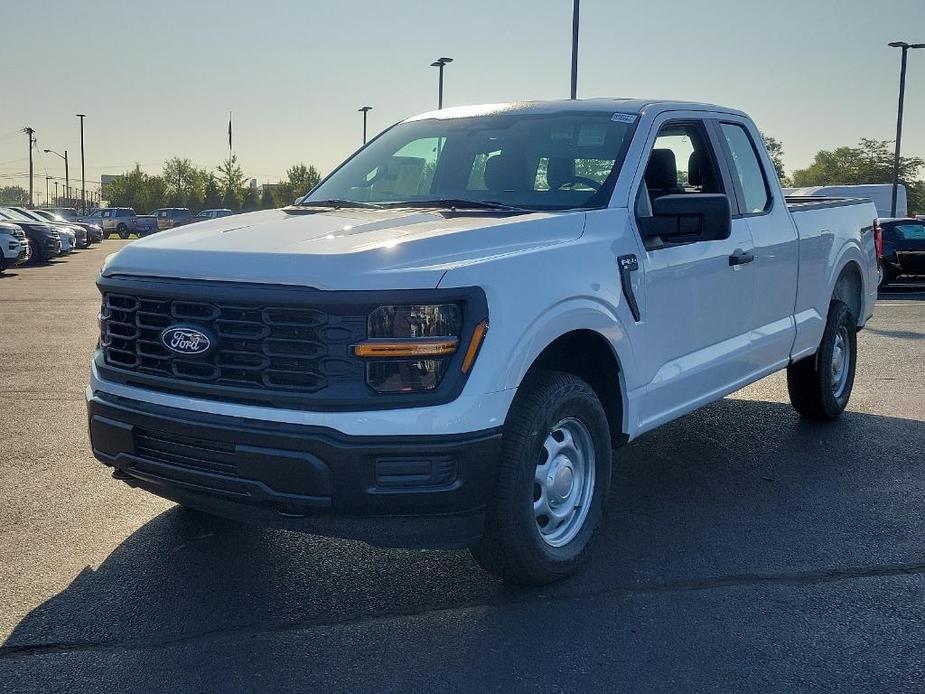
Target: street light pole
(575, 13)
(56, 194)
(440, 63)
(30, 132)
(83, 172)
(47, 178)
(899, 115)
(365, 110)
(67, 188)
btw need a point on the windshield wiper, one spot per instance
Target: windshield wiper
(459, 204)
(336, 203)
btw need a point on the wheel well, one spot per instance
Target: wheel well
(849, 288)
(587, 354)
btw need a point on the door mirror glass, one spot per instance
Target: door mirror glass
(688, 217)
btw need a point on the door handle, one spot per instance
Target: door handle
(629, 264)
(740, 257)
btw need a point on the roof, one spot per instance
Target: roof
(638, 106)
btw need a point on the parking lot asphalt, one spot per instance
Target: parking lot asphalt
(744, 550)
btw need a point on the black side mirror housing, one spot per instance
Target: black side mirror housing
(688, 217)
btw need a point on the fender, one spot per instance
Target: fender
(851, 252)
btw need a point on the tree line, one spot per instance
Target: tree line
(870, 161)
(183, 184)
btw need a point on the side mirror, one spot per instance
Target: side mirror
(689, 217)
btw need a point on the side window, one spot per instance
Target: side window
(106, 214)
(681, 161)
(751, 175)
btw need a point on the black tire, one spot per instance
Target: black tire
(886, 278)
(512, 547)
(35, 255)
(810, 380)
(123, 232)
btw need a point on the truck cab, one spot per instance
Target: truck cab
(446, 342)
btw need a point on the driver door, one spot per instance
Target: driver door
(698, 295)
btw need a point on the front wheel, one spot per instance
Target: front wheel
(553, 480)
(122, 230)
(820, 385)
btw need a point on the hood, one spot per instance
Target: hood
(342, 249)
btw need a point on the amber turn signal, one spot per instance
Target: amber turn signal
(423, 348)
(477, 336)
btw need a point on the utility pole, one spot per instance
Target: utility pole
(440, 63)
(30, 132)
(83, 172)
(575, 13)
(46, 189)
(365, 110)
(67, 179)
(56, 194)
(899, 116)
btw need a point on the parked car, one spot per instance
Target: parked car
(212, 214)
(14, 250)
(144, 224)
(345, 380)
(43, 239)
(903, 249)
(94, 217)
(69, 214)
(118, 220)
(94, 231)
(81, 237)
(170, 217)
(68, 240)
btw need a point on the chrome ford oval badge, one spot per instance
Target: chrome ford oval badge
(185, 340)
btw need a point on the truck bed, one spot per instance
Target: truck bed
(803, 203)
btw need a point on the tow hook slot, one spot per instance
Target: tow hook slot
(629, 264)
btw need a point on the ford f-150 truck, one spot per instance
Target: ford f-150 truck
(445, 341)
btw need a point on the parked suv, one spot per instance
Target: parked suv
(81, 236)
(170, 217)
(443, 343)
(43, 239)
(14, 250)
(118, 220)
(94, 231)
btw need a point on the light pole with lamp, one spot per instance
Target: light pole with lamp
(440, 63)
(899, 116)
(67, 186)
(365, 110)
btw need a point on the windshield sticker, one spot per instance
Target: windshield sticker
(623, 117)
(591, 135)
(561, 132)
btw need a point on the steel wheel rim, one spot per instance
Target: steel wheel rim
(563, 483)
(841, 361)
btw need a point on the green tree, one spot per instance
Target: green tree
(871, 161)
(267, 201)
(776, 152)
(250, 202)
(13, 195)
(213, 196)
(302, 179)
(231, 183)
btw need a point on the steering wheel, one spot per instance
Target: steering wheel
(572, 180)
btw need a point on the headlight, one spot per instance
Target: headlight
(410, 347)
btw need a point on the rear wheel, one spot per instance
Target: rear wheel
(33, 253)
(552, 484)
(122, 230)
(884, 277)
(820, 385)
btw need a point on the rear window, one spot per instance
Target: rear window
(907, 232)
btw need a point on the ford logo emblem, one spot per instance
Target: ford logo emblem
(187, 341)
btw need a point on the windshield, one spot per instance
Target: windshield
(529, 161)
(14, 215)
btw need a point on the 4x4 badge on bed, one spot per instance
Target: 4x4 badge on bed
(185, 340)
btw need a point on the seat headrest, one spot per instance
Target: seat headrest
(696, 168)
(559, 170)
(662, 170)
(504, 172)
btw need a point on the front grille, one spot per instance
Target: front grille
(160, 446)
(261, 348)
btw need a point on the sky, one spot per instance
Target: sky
(157, 79)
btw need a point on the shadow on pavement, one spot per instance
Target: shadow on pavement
(741, 494)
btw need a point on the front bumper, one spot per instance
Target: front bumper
(397, 491)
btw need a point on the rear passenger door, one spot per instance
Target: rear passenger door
(698, 295)
(759, 203)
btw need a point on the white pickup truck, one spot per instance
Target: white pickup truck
(444, 342)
